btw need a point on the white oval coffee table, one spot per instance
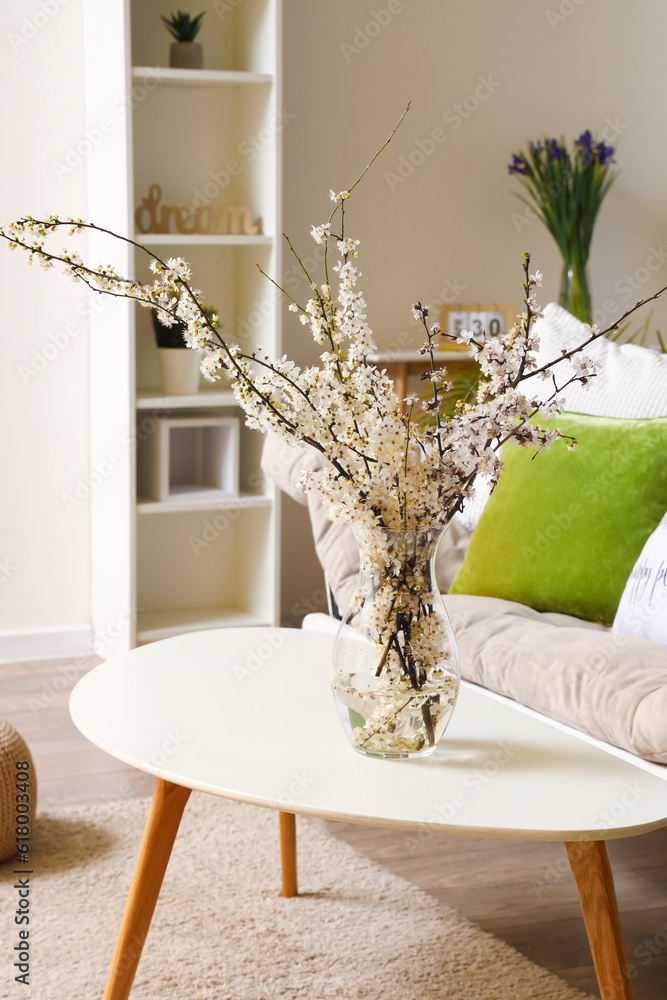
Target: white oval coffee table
(248, 714)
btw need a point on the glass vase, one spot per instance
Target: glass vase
(575, 293)
(395, 661)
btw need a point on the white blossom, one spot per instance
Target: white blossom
(320, 233)
(465, 337)
(348, 247)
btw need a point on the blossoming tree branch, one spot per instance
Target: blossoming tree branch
(386, 467)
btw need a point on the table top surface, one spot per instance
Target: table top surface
(248, 714)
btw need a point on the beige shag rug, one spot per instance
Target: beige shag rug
(222, 932)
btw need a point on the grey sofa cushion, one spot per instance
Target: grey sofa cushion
(611, 686)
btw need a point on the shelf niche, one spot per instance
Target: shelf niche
(236, 35)
(189, 458)
(198, 567)
(246, 303)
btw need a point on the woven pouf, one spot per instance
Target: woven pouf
(13, 791)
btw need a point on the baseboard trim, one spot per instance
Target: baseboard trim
(45, 644)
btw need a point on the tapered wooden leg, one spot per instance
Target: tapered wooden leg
(288, 853)
(590, 866)
(160, 832)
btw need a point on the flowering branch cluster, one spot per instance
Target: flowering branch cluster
(385, 468)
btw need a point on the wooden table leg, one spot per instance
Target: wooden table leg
(164, 817)
(288, 853)
(590, 866)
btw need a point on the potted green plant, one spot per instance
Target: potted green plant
(184, 52)
(179, 367)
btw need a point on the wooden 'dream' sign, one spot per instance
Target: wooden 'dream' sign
(220, 219)
(483, 320)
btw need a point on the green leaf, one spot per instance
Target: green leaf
(182, 26)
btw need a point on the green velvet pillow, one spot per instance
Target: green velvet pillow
(563, 530)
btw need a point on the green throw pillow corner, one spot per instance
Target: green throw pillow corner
(563, 530)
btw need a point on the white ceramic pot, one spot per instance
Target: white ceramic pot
(186, 55)
(179, 369)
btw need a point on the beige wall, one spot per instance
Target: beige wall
(555, 66)
(449, 224)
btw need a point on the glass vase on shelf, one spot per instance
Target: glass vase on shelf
(575, 293)
(395, 661)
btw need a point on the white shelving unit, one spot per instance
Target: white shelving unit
(210, 136)
(151, 399)
(198, 77)
(205, 240)
(172, 507)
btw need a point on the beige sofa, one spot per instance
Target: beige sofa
(611, 686)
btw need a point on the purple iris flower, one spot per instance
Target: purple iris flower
(605, 153)
(585, 140)
(518, 164)
(536, 148)
(554, 150)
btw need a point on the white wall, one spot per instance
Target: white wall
(44, 550)
(554, 66)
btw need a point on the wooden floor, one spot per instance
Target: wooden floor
(521, 892)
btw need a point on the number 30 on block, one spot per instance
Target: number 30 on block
(483, 320)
